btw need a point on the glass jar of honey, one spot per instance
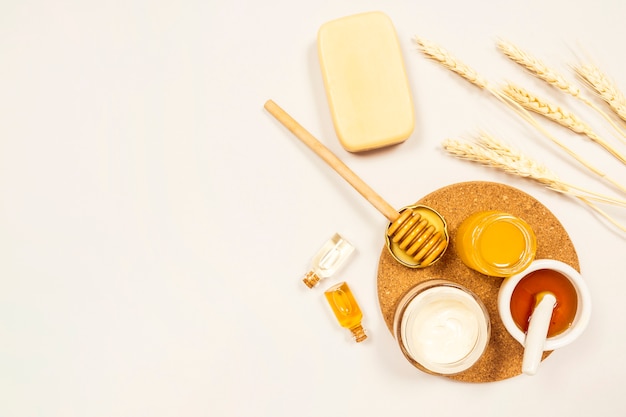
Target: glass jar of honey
(495, 243)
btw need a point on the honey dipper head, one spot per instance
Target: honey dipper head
(418, 237)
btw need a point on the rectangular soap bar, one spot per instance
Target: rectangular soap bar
(365, 80)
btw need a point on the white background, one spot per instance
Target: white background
(156, 221)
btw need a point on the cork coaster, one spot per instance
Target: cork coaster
(503, 357)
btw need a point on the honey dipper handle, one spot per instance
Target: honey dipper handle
(331, 159)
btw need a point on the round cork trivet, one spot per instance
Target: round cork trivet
(503, 357)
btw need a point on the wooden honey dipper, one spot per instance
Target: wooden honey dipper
(417, 236)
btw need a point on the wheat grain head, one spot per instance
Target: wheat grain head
(492, 153)
(540, 106)
(554, 78)
(560, 116)
(537, 67)
(439, 54)
(520, 163)
(604, 87)
(443, 57)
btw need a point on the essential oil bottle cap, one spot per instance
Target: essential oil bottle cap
(311, 279)
(358, 332)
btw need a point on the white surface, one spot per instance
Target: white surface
(156, 221)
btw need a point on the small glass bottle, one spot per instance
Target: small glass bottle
(346, 309)
(328, 260)
(496, 243)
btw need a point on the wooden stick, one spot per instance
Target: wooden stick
(331, 159)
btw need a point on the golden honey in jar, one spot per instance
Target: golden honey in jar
(496, 243)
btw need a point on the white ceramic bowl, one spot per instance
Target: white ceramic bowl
(583, 311)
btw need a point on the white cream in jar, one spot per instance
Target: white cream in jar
(442, 327)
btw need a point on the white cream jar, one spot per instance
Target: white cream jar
(442, 328)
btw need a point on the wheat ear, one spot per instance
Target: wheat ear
(552, 77)
(492, 153)
(603, 87)
(558, 115)
(443, 57)
(537, 68)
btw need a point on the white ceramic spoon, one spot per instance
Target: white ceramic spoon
(537, 332)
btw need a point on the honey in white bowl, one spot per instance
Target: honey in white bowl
(526, 292)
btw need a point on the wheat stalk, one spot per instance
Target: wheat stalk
(537, 68)
(593, 77)
(603, 213)
(558, 115)
(443, 57)
(476, 152)
(552, 112)
(493, 153)
(554, 78)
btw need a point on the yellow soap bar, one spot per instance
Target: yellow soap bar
(365, 80)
